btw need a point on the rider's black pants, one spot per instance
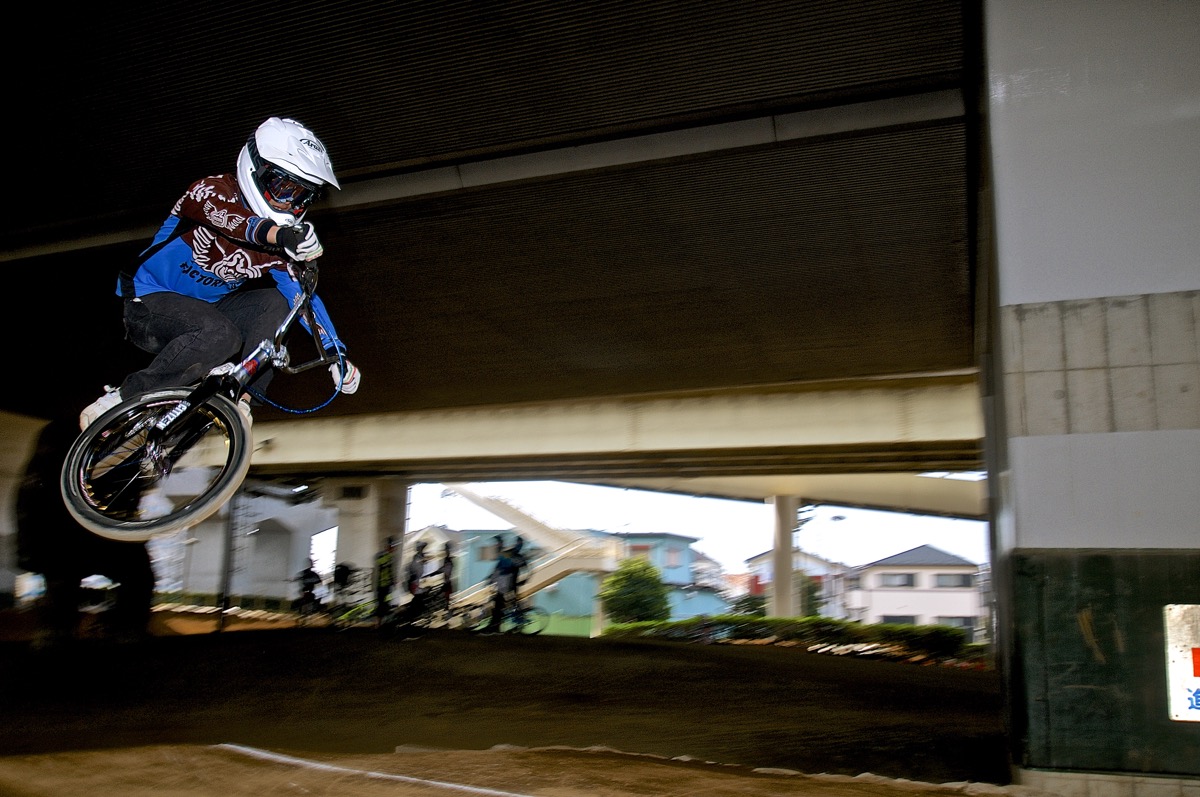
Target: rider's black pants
(190, 337)
(499, 604)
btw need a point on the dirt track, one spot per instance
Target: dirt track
(355, 696)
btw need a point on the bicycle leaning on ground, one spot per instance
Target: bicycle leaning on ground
(167, 459)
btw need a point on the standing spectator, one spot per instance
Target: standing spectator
(343, 577)
(384, 581)
(414, 575)
(446, 570)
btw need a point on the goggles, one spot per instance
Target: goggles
(283, 187)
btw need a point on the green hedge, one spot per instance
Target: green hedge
(823, 634)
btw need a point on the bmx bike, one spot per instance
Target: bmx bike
(167, 459)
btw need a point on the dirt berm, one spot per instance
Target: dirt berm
(321, 693)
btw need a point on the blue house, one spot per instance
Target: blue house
(693, 592)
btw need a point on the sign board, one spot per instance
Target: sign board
(1182, 623)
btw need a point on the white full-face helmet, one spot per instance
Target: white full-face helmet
(282, 169)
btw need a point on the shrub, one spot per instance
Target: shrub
(937, 642)
(635, 592)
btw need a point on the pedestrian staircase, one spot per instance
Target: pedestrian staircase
(562, 552)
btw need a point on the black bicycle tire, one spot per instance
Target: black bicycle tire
(536, 621)
(75, 473)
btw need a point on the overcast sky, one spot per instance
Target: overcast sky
(728, 531)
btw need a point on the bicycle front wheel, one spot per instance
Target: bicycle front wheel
(125, 481)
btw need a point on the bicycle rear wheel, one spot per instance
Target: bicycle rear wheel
(361, 614)
(124, 481)
(474, 618)
(534, 620)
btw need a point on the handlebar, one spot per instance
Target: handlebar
(305, 274)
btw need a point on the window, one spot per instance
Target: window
(899, 619)
(674, 557)
(852, 582)
(642, 551)
(897, 579)
(954, 580)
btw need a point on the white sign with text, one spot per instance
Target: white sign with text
(1182, 623)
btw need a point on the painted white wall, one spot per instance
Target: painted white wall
(1095, 133)
(1126, 490)
(1094, 125)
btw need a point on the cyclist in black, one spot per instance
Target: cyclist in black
(506, 577)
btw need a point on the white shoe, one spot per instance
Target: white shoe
(110, 399)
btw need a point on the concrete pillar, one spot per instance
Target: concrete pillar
(782, 604)
(368, 511)
(1094, 426)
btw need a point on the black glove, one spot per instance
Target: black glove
(300, 242)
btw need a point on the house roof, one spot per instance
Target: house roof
(810, 556)
(654, 535)
(922, 555)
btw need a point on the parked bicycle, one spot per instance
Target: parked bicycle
(167, 459)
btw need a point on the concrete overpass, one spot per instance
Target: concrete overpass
(855, 444)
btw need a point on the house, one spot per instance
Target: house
(922, 586)
(829, 576)
(707, 572)
(695, 585)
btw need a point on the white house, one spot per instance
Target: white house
(922, 586)
(831, 576)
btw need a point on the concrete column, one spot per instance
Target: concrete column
(786, 509)
(368, 511)
(1094, 422)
